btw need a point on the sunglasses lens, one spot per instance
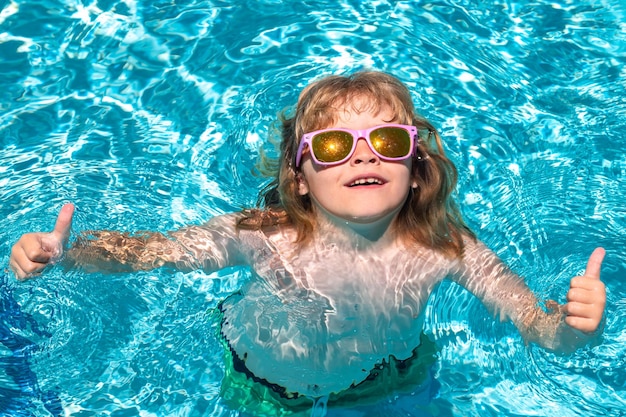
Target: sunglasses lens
(391, 142)
(332, 146)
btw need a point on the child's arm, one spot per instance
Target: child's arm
(562, 328)
(209, 248)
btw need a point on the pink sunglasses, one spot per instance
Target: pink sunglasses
(390, 142)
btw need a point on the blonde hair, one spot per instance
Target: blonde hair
(429, 217)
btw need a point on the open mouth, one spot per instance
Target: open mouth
(366, 182)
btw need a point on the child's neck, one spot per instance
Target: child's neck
(368, 233)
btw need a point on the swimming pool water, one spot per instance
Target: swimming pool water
(151, 115)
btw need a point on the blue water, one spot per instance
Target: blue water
(151, 115)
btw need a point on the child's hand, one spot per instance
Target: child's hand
(587, 296)
(34, 251)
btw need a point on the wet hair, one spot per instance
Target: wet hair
(429, 217)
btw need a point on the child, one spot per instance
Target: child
(357, 229)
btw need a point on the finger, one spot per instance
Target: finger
(589, 311)
(577, 294)
(586, 290)
(35, 247)
(24, 268)
(17, 270)
(582, 324)
(586, 283)
(582, 316)
(63, 224)
(29, 249)
(594, 265)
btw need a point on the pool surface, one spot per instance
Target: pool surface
(151, 115)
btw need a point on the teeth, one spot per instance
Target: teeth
(364, 181)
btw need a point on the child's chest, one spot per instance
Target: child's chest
(354, 281)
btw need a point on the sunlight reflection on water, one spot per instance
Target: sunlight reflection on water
(150, 116)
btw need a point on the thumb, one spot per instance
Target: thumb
(63, 224)
(595, 263)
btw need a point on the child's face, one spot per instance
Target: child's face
(336, 188)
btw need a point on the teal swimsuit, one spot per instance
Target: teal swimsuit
(243, 391)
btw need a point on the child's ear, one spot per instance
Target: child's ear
(303, 186)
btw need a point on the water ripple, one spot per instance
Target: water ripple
(151, 115)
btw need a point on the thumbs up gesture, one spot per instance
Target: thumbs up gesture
(34, 251)
(586, 297)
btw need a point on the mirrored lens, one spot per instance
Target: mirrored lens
(331, 146)
(392, 142)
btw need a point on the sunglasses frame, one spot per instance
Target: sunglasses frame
(307, 139)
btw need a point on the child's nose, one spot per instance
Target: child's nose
(363, 153)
